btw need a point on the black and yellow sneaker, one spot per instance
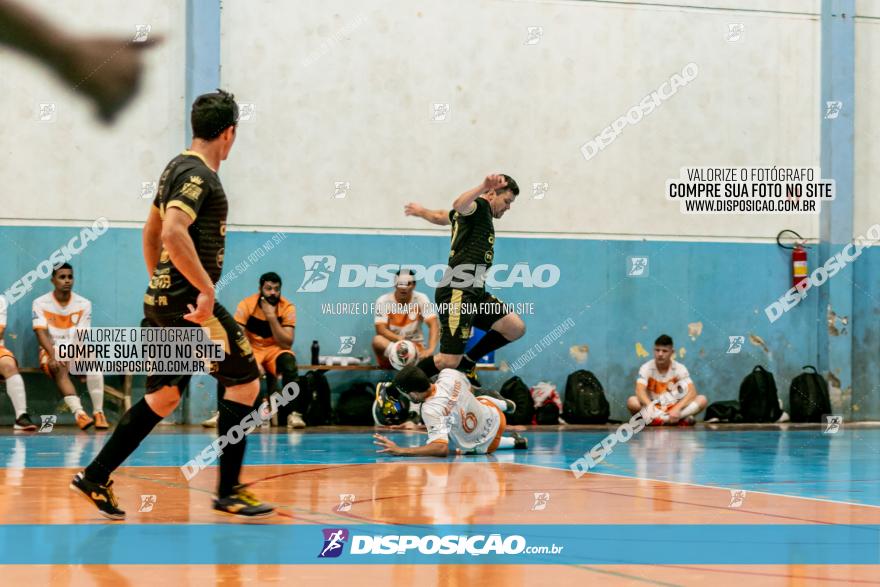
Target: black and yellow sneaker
(243, 503)
(99, 495)
(519, 441)
(471, 375)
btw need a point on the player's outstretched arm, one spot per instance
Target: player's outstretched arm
(107, 70)
(433, 449)
(463, 203)
(438, 217)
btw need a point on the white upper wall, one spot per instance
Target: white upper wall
(867, 119)
(344, 90)
(75, 168)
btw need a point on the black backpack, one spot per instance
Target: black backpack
(758, 400)
(514, 389)
(724, 411)
(355, 405)
(547, 414)
(808, 396)
(584, 401)
(319, 411)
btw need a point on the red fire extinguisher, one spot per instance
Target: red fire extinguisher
(799, 268)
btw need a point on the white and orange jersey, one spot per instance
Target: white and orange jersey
(404, 319)
(452, 411)
(673, 382)
(62, 320)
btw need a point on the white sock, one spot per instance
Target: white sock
(15, 389)
(691, 409)
(506, 442)
(496, 402)
(73, 403)
(95, 383)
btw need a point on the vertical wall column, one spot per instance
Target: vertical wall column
(837, 110)
(202, 52)
(202, 75)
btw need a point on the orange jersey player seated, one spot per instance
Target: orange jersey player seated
(14, 382)
(57, 315)
(399, 315)
(664, 385)
(269, 322)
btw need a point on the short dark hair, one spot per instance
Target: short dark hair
(58, 268)
(664, 340)
(212, 114)
(511, 184)
(411, 379)
(270, 276)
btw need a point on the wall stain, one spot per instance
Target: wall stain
(695, 329)
(833, 319)
(640, 351)
(758, 341)
(579, 352)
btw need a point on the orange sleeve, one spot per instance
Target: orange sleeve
(289, 318)
(241, 312)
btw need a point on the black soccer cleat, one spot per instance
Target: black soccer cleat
(519, 442)
(99, 495)
(24, 423)
(243, 503)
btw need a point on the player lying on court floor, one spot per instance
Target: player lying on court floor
(665, 389)
(472, 249)
(457, 422)
(399, 315)
(57, 316)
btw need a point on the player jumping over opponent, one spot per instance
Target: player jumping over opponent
(184, 238)
(472, 246)
(450, 411)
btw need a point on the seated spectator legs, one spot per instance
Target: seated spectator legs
(15, 390)
(95, 385)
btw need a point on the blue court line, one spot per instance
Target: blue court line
(119, 544)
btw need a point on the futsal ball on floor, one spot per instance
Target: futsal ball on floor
(402, 353)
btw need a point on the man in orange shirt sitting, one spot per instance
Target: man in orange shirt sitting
(268, 321)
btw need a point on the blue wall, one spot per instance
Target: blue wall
(725, 286)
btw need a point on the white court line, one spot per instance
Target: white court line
(705, 486)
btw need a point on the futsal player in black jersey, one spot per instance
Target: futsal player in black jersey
(183, 240)
(470, 256)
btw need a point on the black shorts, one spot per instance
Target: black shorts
(461, 309)
(238, 366)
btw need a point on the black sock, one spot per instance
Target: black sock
(231, 414)
(428, 367)
(285, 364)
(492, 340)
(135, 425)
(466, 364)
